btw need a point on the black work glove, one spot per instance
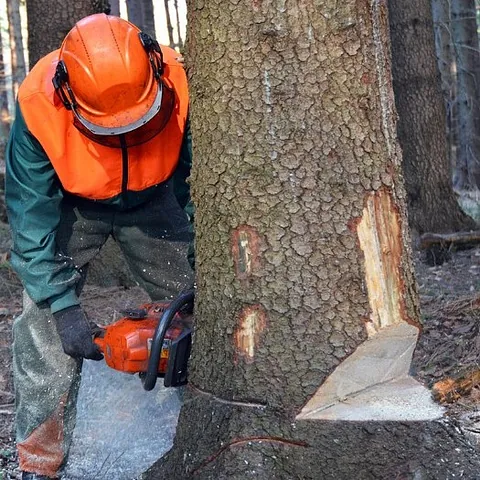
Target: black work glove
(76, 334)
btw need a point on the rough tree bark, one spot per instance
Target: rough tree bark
(45, 36)
(432, 203)
(306, 309)
(467, 56)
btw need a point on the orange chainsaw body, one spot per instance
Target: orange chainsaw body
(126, 344)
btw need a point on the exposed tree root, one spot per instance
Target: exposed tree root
(247, 441)
(438, 246)
(428, 240)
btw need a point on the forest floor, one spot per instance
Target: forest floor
(449, 345)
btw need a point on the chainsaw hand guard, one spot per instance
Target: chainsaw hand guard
(150, 378)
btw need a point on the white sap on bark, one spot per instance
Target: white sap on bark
(374, 383)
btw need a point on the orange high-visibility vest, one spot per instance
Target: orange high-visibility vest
(86, 168)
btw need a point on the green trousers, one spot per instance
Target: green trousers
(154, 239)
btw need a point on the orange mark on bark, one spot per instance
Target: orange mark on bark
(252, 323)
(366, 79)
(245, 244)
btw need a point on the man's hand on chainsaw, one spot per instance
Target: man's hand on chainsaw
(76, 333)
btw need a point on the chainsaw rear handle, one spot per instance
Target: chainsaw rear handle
(150, 378)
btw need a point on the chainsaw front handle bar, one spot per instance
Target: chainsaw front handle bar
(175, 306)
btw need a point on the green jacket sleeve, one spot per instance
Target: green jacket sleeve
(33, 196)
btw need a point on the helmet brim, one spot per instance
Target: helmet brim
(119, 129)
(142, 132)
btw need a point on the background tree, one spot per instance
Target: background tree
(134, 11)
(115, 7)
(172, 41)
(446, 64)
(4, 113)
(169, 23)
(467, 56)
(148, 18)
(177, 19)
(432, 204)
(306, 300)
(4, 127)
(17, 59)
(140, 13)
(50, 20)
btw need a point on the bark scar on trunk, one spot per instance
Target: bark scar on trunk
(252, 323)
(245, 251)
(380, 236)
(373, 383)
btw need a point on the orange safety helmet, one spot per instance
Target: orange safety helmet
(109, 75)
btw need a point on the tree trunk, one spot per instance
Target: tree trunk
(3, 208)
(168, 21)
(45, 36)
(115, 7)
(5, 117)
(306, 309)
(179, 31)
(432, 204)
(140, 13)
(446, 64)
(464, 30)
(148, 18)
(134, 12)
(444, 45)
(17, 57)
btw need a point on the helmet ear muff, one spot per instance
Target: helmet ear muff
(62, 87)
(154, 53)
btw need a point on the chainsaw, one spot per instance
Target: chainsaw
(153, 341)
